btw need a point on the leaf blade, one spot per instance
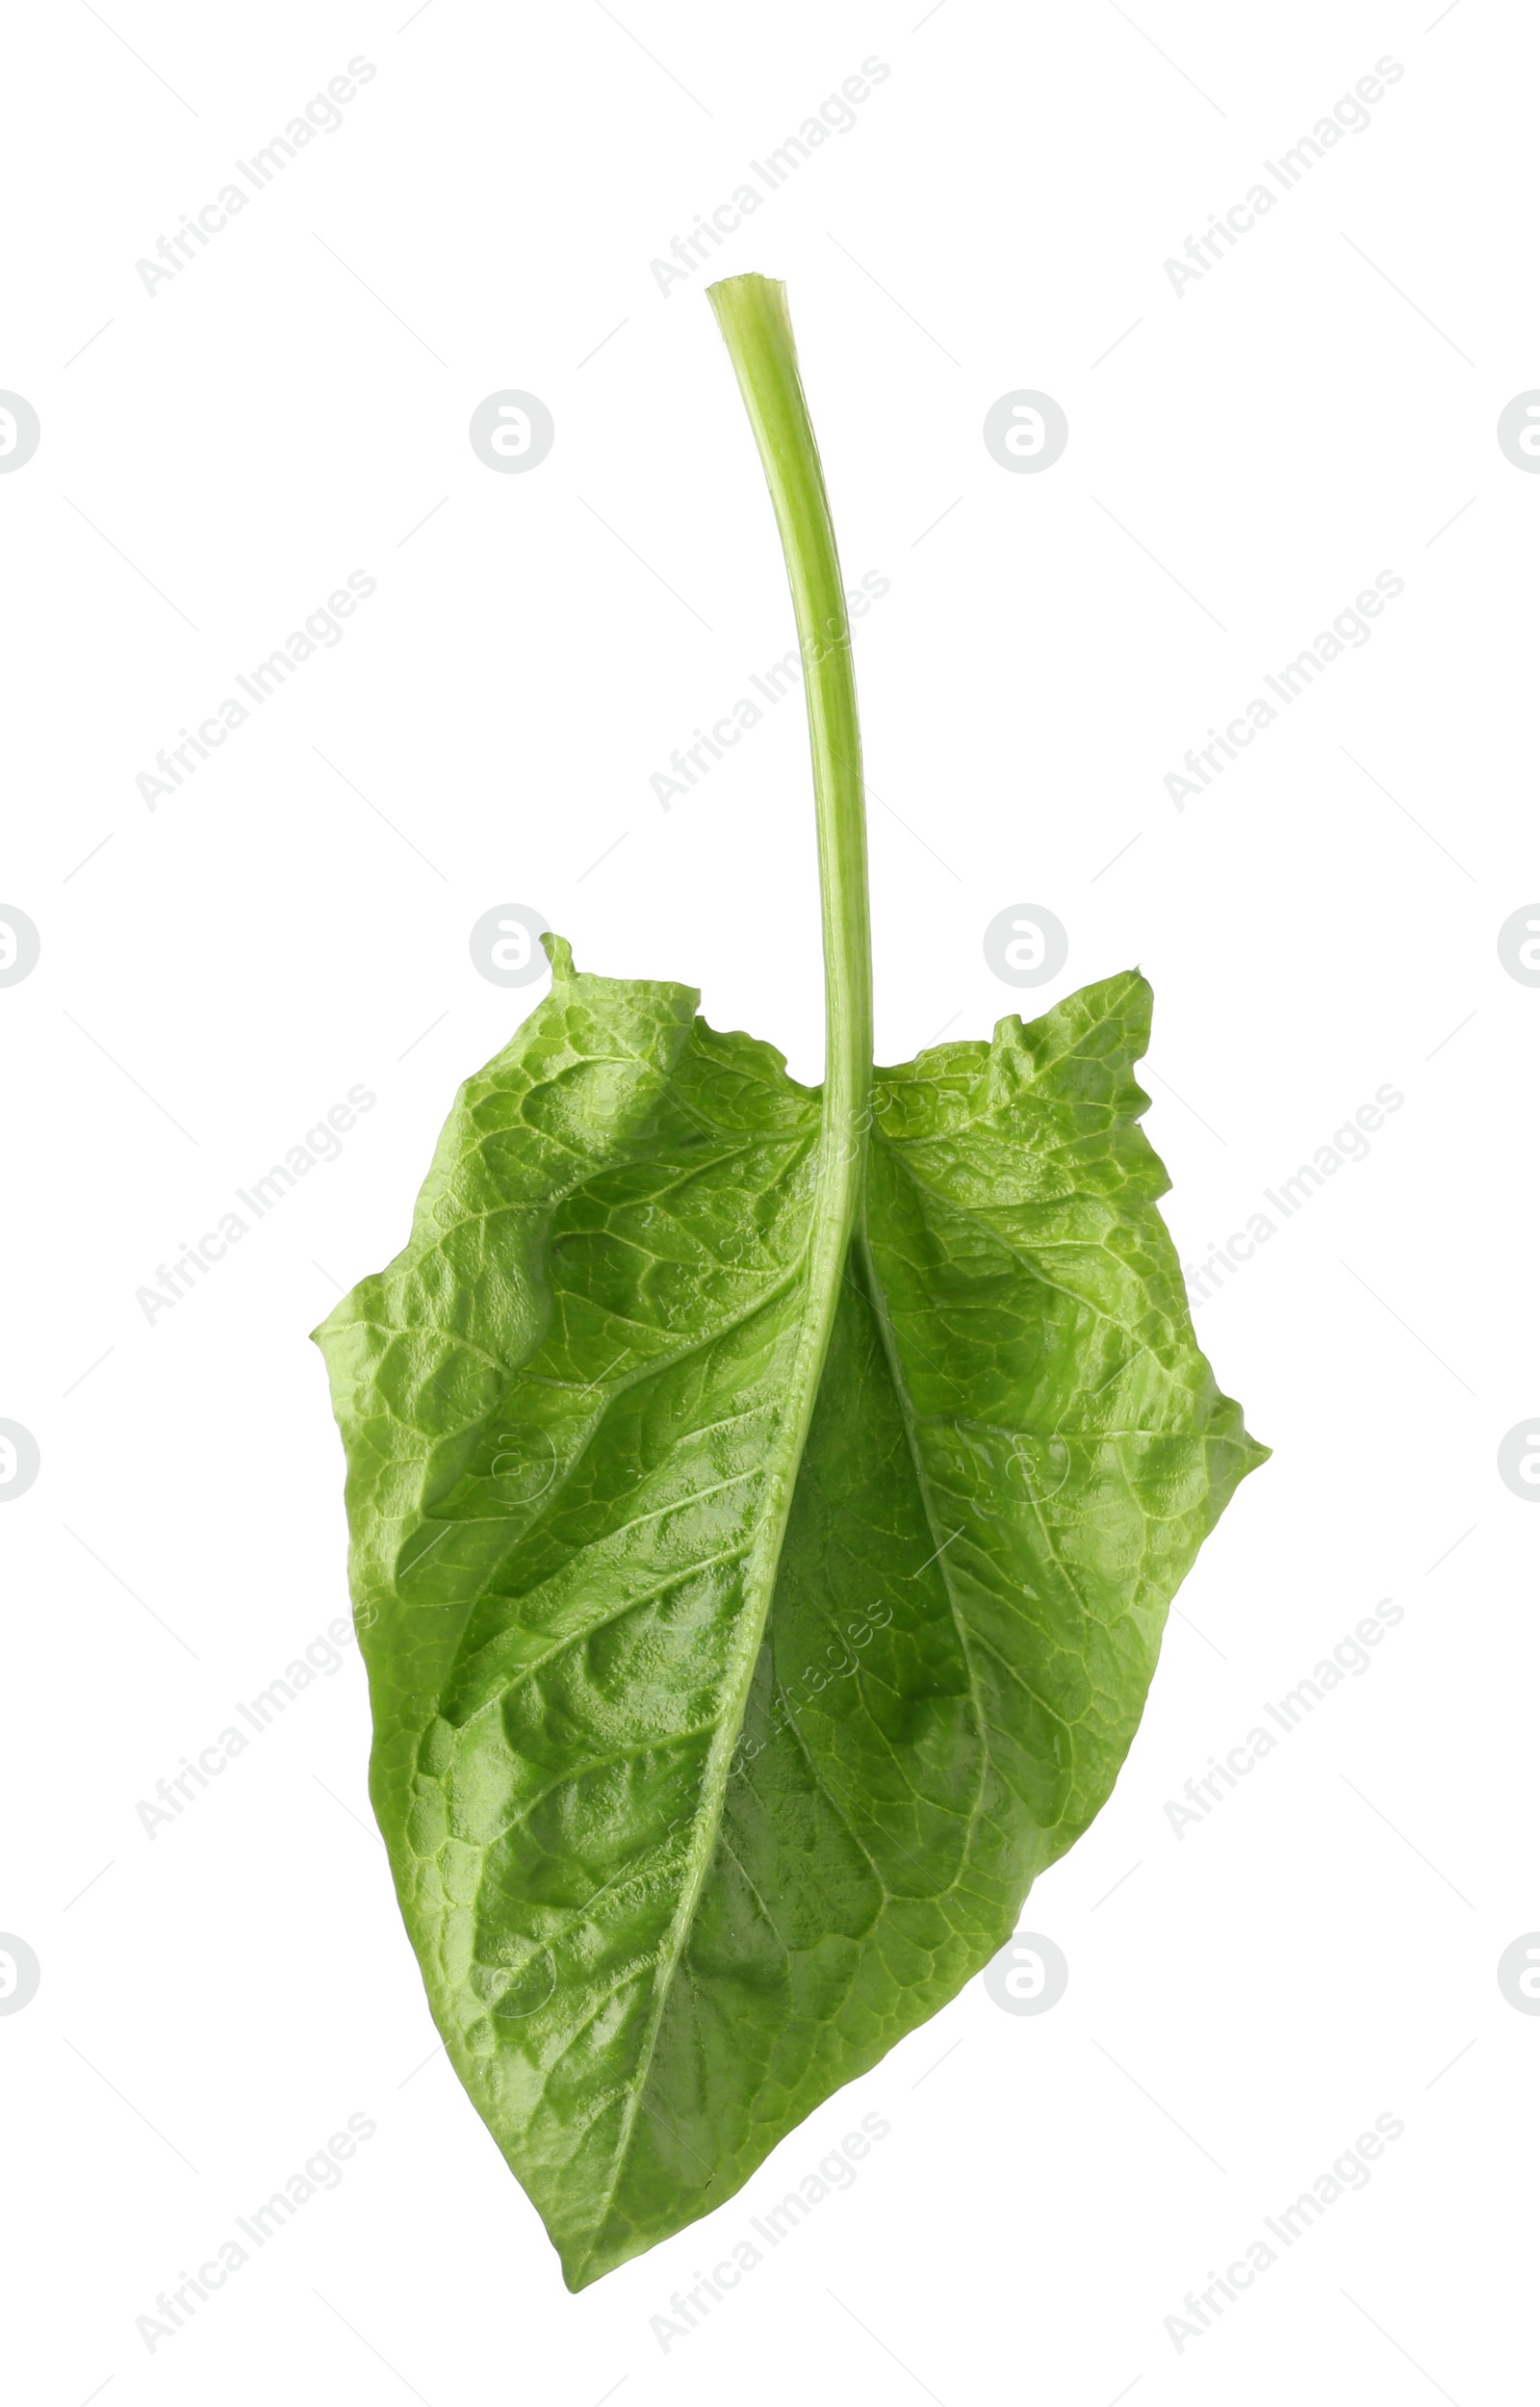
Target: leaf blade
(680, 1856)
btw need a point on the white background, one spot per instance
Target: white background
(1244, 458)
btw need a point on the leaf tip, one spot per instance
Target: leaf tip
(558, 952)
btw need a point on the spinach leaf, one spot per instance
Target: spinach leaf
(764, 1505)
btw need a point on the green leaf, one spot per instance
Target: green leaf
(764, 1507)
(715, 1748)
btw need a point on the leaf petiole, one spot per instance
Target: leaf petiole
(756, 326)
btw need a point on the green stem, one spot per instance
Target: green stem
(751, 313)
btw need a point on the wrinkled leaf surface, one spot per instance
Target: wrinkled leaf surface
(684, 1836)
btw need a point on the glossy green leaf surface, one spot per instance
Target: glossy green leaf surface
(717, 1742)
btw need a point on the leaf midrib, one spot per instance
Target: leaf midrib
(828, 1245)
